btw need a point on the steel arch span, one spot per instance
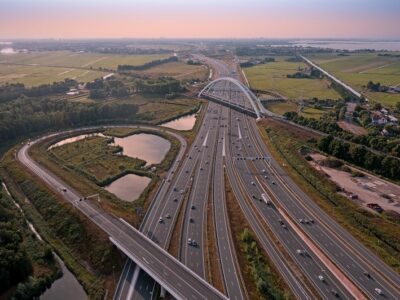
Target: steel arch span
(234, 93)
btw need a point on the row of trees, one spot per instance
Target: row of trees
(9, 92)
(26, 116)
(123, 68)
(101, 89)
(372, 140)
(361, 156)
(15, 265)
(161, 86)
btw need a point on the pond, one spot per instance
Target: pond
(183, 123)
(65, 288)
(148, 147)
(128, 187)
(75, 139)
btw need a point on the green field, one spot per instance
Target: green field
(36, 75)
(356, 70)
(178, 70)
(46, 67)
(281, 107)
(272, 77)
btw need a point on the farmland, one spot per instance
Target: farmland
(271, 77)
(36, 68)
(357, 69)
(178, 70)
(281, 107)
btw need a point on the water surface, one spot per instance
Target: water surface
(183, 123)
(128, 187)
(75, 139)
(64, 288)
(148, 147)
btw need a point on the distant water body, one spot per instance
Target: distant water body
(350, 45)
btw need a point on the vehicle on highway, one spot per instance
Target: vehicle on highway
(266, 199)
(321, 278)
(160, 220)
(168, 216)
(193, 207)
(379, 291)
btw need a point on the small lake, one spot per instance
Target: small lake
(128, 187)
(75, 139)
(149, 147)
(64, 288)
(183, 123)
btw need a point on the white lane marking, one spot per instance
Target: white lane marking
(205, 139)
(240, 133)
(223, 145)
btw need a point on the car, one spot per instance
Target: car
(181, 192)
(168, 180)
(306, 221)
(190, 157)
(273, 182)
(301, 221)
(334, 293)
(175, 199)
(280, 221)
(175, 189)
(312, 221)
(191, 220)
(284, 226)
(206, 162)
(265, 176)
(378, 291)
(194, 243)
(160, 220)
(193, 207)
(187, 171)
(168, 216)
(367, 274)
(321, 278)
(201, 169)
(264, 171)
(253, 196)
(252, 183)
(64, 190)
(189, 241)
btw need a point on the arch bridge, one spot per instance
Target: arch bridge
(231, 92)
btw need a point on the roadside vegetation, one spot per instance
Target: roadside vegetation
(261, 279)
(379, 232)
(27, 265)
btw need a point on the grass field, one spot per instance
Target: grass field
(46, 67)
(179, 70)
(36, 75)
(272, 77)
(281, 107)
(356, 70)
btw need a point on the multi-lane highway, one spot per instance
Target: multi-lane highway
(314, 254)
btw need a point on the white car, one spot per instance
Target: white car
(321, 278)
(378, 291)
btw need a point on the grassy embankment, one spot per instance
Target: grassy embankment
(380, 233)
(83, 247)
(261, 279)
(28, 266)
(358, 69)
(71, 235)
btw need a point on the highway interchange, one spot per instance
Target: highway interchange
(320, 258)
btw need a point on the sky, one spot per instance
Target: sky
(200, 19)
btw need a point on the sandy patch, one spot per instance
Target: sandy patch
(369, 189)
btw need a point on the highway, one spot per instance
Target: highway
(175, 277)
(346, 254)
(316, 256)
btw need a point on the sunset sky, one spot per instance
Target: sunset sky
(199, 19)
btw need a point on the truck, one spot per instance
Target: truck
(266, 199)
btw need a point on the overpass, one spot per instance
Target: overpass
(173, 276)
(231, 92)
